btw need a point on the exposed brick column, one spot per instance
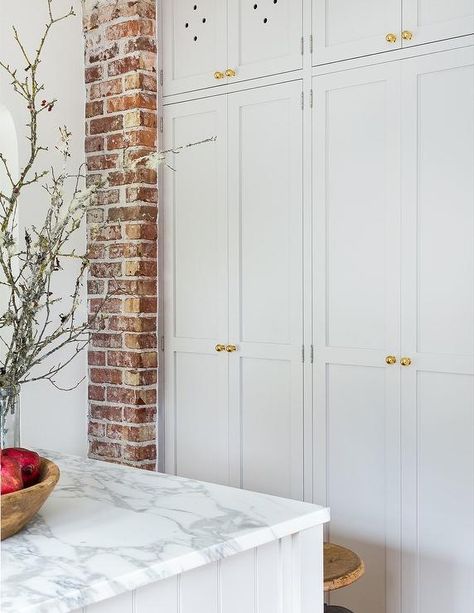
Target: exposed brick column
(120, 75)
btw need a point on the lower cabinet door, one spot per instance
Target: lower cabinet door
(438, 332)
(265, 289)
(356, 263)
(195, 271)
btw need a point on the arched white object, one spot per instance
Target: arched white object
(8, 146)
(9, 149)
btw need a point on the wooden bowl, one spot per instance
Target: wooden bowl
(18, 508)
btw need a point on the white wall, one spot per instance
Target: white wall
(51, 418)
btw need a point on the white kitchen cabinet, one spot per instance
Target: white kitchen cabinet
(194, 44)
(195, 286)
(438, 331)
(210, 43)
(356, 322)
(233, 290)
(344, 29)
(265, 289)
(430, 20)
(394, 276)
(264, 37)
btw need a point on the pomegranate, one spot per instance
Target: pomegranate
(29, 462)
(10, 475)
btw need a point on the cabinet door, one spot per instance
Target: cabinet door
(344, 29)
(438, 332)
(430, 20)
(195, 291)
(265, 289)
(264, 37)
(194, 44)
(356, 323)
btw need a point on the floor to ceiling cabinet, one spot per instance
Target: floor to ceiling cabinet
(318, 274)
(233, 290)
(393, 327)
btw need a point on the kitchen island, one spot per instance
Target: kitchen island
(113, 539)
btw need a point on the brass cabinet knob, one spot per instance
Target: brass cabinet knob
(405, 361)
(219, 75)
(407, 35)
(230, 72)
(391, 38)
(391, 359)
(220, 348)
(231, 348)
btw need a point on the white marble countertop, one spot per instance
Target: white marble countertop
(107, 529)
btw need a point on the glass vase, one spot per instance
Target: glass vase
(9, 417)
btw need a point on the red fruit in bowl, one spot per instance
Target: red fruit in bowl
(10, 477)
(29, 462)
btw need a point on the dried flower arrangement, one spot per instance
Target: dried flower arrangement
(37, 322)
(31, 328)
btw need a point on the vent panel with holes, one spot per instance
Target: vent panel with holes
(210, 43)
(264, 37)
(194, 44)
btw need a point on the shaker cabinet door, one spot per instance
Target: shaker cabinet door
(264, 37)
(356, 236)
(265, 289)
(194, 44)
(438, 331)
(345, 29)
(195, 290)
(425, 21)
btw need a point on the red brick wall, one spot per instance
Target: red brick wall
(121, 122)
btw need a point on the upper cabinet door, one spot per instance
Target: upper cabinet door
(344, 29)
(194, 44)
(425, 21)
(264, 37)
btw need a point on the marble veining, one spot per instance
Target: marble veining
(107, 529)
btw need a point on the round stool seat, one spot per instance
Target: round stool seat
(341, 567)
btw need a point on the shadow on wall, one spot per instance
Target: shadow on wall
(9, 149)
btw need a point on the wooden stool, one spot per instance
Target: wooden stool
(341, 568)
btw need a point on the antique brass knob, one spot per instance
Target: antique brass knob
(407, 35)
(391, 38)
(391, 359)
(231, 348)
(405, 361)
(219, 75)
(220, 348)
(230, 72)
